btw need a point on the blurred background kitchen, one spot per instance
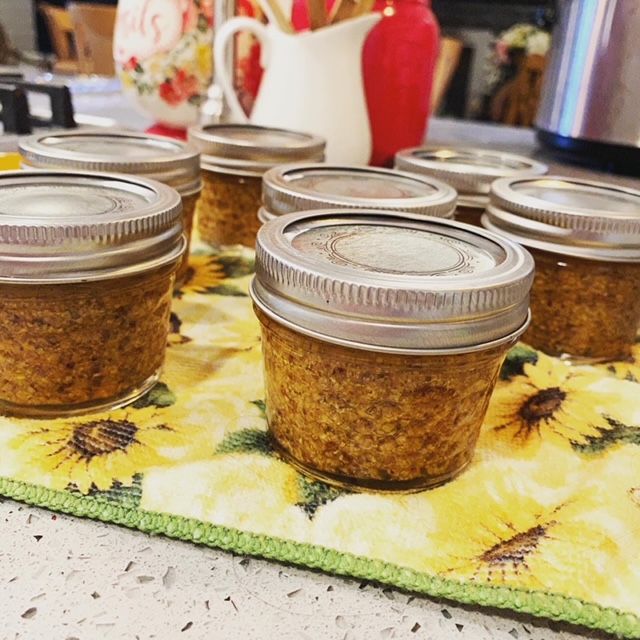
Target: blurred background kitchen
(486, 40)
(554, 83)
(481, 61)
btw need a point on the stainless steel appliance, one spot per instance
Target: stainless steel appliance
(590, 103)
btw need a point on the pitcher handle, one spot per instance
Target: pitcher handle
(225, 33)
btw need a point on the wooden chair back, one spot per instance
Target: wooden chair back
(446, 66)
(93, 26)
(60, 28)
(516, 103)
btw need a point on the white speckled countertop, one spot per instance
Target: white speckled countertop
(71, 579)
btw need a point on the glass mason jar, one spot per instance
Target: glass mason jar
(383, 335)
(469, 171)
(299, 187)
(169, 161)
(86, 282)
(585, 239)
(234, 158)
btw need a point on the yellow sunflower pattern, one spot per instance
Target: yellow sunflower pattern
(551, 400)
(550, 504)
(628, 370)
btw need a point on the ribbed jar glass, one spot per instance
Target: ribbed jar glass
(468, 170)
(166, 160)
(585, 239)
(234, 158)
(86, 280)
(301, 187)
(383, 335)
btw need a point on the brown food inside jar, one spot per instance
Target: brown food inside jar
(188, 212)
(587, 309)
(371, 420)
(228, 209)
(68, 346)
(469, 215)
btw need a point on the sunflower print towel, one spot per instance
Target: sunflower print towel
(546, 520)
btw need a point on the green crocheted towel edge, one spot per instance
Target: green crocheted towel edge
(537, 603)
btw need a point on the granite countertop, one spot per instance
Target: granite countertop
(72, 579)
(66, 578)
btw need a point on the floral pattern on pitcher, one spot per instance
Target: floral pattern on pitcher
(163, 52)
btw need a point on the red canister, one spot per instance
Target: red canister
(399, 59)
(398, 65)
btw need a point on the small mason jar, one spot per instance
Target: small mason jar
(86, 280)
(383, 335)
(234, 158)
(585, 239)
(169, 161)
(470, 171)
(298, 187)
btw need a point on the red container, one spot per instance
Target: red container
(398, 64)
(300, 15)
(158, 129)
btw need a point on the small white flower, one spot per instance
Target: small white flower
(538, 43)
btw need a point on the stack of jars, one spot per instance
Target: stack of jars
(90, 262)
(470, 171)
(387, 299)
(95, 235)
(166, 160)
(383, 335)
(583, 235)
(585, 239)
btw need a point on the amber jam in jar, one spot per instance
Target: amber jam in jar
(383, 335)
(299, 187)
(585, 239)
(234, 159)
(166, 160)
(470, 171)
(86, 280)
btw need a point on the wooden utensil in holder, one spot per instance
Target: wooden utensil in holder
(320, 13)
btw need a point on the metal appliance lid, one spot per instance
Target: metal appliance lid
(578, 217)
(392, 282)
(470, 171)
(75, 226)
(298, 187)
(169, 161)
(252, 150)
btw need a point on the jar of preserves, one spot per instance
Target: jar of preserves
(86, 280)
(585, 239)
(469, 171)
(299, 187)
(167, 160)
(383, 335)
(234, 158)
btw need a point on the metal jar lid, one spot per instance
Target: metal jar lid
(169, 161)
(470, 171)
(299, 187)
(244, 149)
(68, 226)
(391, 282)
(575, 217)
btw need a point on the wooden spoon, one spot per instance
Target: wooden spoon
(343, 10)
(364, 6)
(317, 14)
(275, 14)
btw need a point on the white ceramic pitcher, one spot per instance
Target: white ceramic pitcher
(312, 83)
